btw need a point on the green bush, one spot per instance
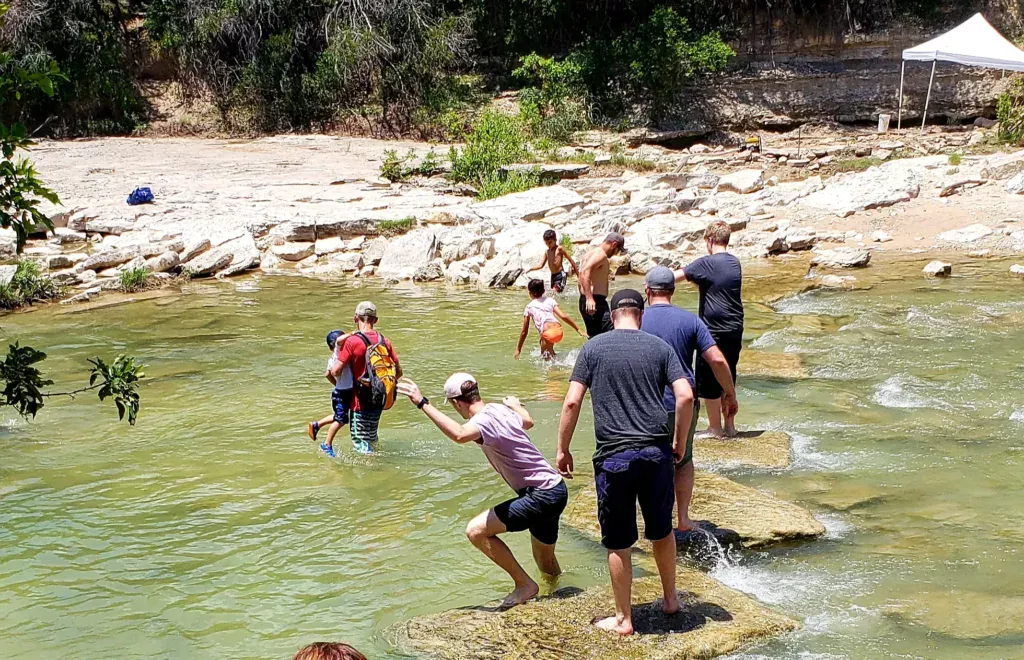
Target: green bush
(28, 286)
(497, 139)
(955, 159)
(394, 168)
(1010, 112)
(499, 183)
(134, 279)
(390, 228)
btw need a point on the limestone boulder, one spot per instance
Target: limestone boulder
(209, 262)
(193, 248)
(550, 170)
(767, 365)
(801, 239)
(503, 270)
(938, 269)
(842, 257)
(293, 251)
(461, 243)
(431, 272)
(876, 187)
(666, 232)
(408, 253)
(768, 450)
(374, 250)
(714, 620)
(110, 258)
(532, 204)
(742, 181)
(244, 256)
(325, 246)
(466, 271)
(1015, 186)
(164, 262)
(1017, 270)
(347, 262)
(7, 274)
(1003, 166)
(67, 276)
(965, 235)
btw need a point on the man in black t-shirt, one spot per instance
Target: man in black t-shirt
(720, 280)
(627, 371)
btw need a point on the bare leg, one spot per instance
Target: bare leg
(483, 532)
(544, 555)
(684, 493)
(547, 349)
(730, 425)
(714, 410)
(620, 565)
(331, 432)
(325, 421)
(665, 558)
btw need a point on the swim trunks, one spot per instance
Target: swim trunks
(341, 401)
(601, 320)
(558, 281)
(364, 430)
(623, 479)
(707, 384)
(535, 509)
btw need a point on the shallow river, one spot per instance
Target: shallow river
(215, 530)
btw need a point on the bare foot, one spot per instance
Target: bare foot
(686, 525)
(670, 605)
(612, 624)
(520, 595)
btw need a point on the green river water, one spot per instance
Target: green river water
(215, 530)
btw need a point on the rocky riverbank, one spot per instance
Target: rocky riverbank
(313, 205)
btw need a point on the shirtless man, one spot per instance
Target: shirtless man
(553, 258)
(594, 285)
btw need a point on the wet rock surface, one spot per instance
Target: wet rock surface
(762, 449)
(715, 620)
(777, 366)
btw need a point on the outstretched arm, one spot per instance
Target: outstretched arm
(713, 356)
(515, 404)
(567, 426)
(680, 275)
(460, 433)
(565, 253)
(568, 319)
(522, 336)
(543, 261)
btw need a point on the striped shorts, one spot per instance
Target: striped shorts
(364, 429)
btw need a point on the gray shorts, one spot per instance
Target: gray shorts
(688, 456)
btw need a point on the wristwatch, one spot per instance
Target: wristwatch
(424, 401)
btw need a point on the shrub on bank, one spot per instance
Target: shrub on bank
(28, 286)
(134, 279)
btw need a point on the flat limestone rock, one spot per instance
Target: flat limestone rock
(763, 449)
(965, 615)
(715, 620)
(758, 518)
(780, 366)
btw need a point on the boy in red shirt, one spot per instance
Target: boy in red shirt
(352, 353)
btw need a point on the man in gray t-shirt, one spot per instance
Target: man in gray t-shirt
(627, 371)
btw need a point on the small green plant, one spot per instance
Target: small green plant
(395, 169)
(505, 183)
(27, 286)
(1010, 113)
(955, 159)
(857, 164)
(134, 279)
(567, 244)
(390, 228)
(497, 139)
(633, 163)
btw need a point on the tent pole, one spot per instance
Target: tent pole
(928, 98)
(899, 111)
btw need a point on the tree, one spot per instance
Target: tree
(21, 190)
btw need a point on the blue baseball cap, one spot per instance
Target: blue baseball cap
(332, 337)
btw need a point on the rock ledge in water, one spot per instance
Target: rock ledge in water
(715, 620)
(758, 518)
(779, 366)
(763, 449)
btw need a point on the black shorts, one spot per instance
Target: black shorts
(688, 456)
(730, 344)
(535, 509)
(558, 281)
(645, 475)
(341, 401)
(601, 320)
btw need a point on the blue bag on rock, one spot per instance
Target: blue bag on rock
(140, 196)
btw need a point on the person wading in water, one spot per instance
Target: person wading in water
(594, 275)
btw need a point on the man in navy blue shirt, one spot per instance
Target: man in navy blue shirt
(688, 336)
(720, 280)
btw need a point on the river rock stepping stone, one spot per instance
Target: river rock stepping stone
(758, 518)
(967, 615)
(762, 449)
(778, 366)
(715, 620)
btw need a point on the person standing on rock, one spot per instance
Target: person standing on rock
(627, 371)
(594, 276)
(719, 277)
(687, 335)
(352, 353)
(541, 494)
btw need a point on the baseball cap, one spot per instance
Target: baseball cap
(332, 337)
(627, 299)
(366, 308)
(618, 239)
(660, 278)
(453, 386)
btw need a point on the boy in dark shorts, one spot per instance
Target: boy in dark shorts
(719, 277)
(553, 258)
(627, 371)
(541, 494)
(341, 398)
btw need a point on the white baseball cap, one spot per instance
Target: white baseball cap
(453, 386)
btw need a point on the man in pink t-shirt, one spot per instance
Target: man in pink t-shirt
(541, 494)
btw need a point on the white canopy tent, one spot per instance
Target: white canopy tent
(973, 43)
